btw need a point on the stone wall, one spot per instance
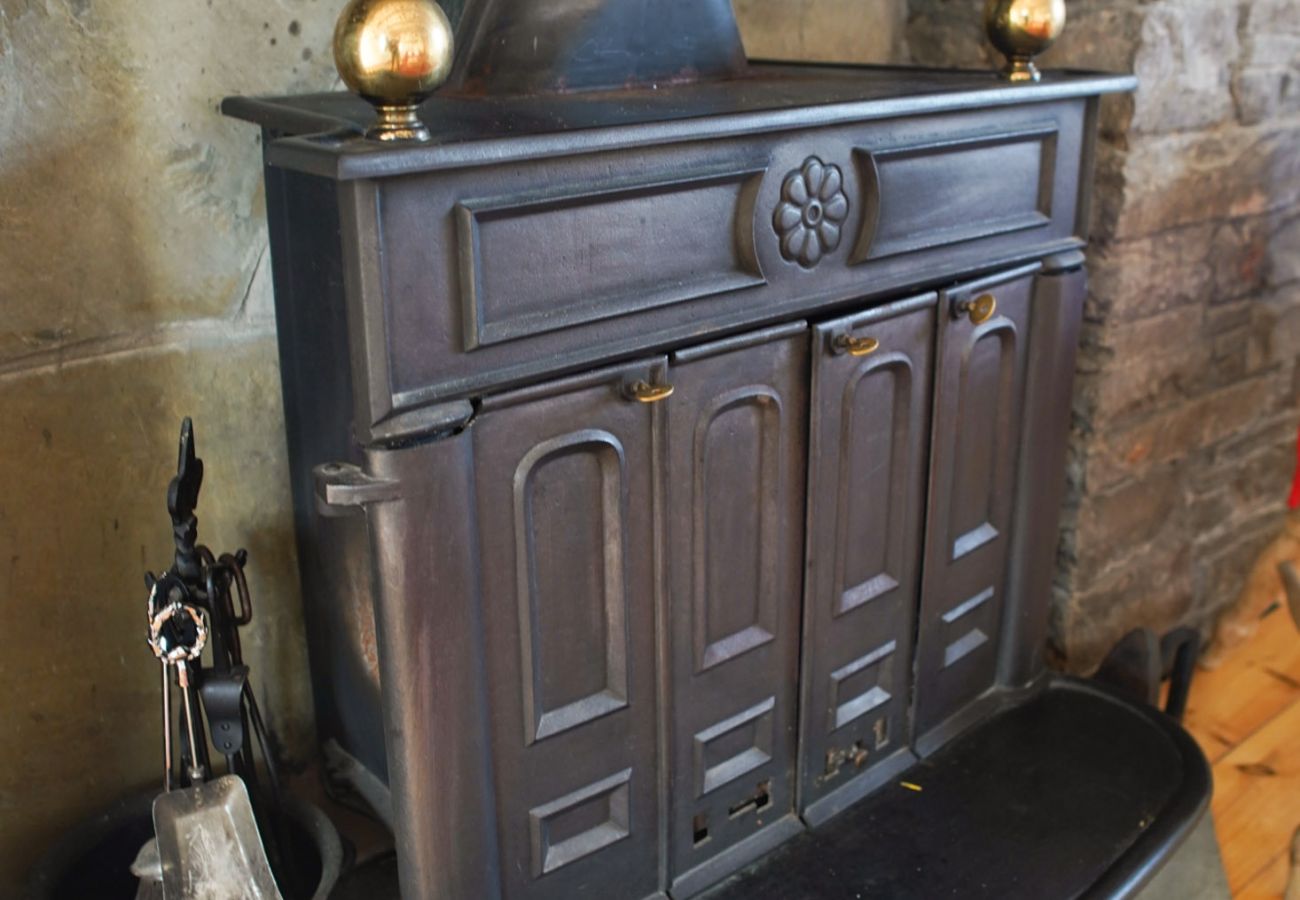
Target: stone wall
(1188, 390)
(135, 290)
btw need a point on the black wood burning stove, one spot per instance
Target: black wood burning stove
(709, 421)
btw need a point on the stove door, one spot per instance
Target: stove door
(565, 479)
(734, 539)
(979, 391)
(866, 503)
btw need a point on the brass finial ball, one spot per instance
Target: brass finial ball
(1021, 29)
(394, 53)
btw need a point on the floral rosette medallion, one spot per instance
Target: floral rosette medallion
(811, 213)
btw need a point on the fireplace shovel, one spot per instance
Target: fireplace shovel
(209, 846)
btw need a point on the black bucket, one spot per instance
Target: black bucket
(94, 858)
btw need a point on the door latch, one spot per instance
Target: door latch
(342, 488)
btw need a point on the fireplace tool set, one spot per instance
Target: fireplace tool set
(212, 833)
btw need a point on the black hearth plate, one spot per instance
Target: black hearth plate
(1074, 793)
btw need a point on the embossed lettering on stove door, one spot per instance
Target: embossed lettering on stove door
(869, 438)
(736, 468)
(979, 389)
(564, 491)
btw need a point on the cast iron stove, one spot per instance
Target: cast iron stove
(678, 448)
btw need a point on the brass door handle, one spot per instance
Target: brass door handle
(856, 346)
(644, 392)
(980, 310)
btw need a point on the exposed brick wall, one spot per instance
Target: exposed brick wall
(1186, 403)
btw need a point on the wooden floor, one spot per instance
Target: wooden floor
(1246, 717)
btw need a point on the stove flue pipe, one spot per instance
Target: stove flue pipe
(513, 47)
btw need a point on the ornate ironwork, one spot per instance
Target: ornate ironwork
(810, 217)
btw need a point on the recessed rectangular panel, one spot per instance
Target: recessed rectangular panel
(965, 645)
(966, 607)
(580, 823)
(737, 470)
(871, 503)
(572, 606)
(985, 384)
(861, 686)
(972, 540)
(989, 185)
(637, 246)
(965, 624)
(865, 592)
(733, 747)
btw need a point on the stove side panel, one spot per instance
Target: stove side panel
(430, 615)
(1053, 348)
(333, 556)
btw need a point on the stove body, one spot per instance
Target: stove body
(605, 639)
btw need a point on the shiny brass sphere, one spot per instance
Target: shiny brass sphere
(1021, 29)
(394, 53)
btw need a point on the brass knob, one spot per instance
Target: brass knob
(856, 346)
(1021, 29)
(394, 53)
(644, 392)
(980, 310)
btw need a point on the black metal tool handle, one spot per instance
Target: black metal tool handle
(182, 499)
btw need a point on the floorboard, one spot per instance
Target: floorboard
(1246, 717)
(1269, 884)
(1253, 686)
